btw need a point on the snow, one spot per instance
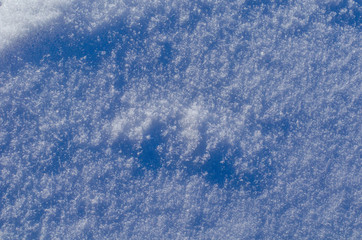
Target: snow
(180, 119)
(19, 17)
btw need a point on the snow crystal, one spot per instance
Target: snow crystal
(180, 119)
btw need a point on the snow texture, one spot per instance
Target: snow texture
(177, 119)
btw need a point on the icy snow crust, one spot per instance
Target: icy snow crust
(180, 119)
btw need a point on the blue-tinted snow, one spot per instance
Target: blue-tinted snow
(180, 119)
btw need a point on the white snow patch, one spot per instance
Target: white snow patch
(19, 17)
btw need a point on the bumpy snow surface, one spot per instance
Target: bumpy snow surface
(177, 119)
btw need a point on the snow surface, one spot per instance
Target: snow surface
(175, 119)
